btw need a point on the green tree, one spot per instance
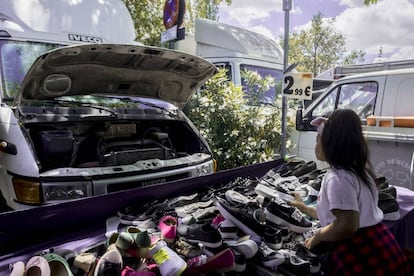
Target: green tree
(321, 47)
(239, 132)
(148, 16)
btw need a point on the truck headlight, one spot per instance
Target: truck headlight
(27, 191)
(66, 191)
(205, 169)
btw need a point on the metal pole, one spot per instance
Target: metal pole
(287, 5)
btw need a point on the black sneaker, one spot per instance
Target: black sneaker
(272, 237)
(303, 253)
(280, 213)
(304, 168)
(389, 206)
(293, 265)
(202, 233)
(249, 218)
(270, 257)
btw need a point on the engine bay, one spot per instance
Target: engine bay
(102, 144)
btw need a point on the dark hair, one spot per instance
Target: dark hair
(344, 145)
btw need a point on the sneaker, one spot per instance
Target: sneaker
(304, 168)
(85, 261)
(37, 266)
(287, 168)
(293, 264)
(389, 206)
(239, 261)
(273, 192)
(186, 249)
(110, 263)
(228, 229)
(247, 247)
(280, 213)
(391, 190)
(270, 257)
(182, 200)
(303, 253)
(249, 218)
(217, 220)
(168, 228)
(128, 271)
(221, 262)
(192, 207)
(272, 237)
(202, 233)
(58, 265)
(142, 239)
(17, 268)
(236, 198)
(382, 182)
(169, 263)
(144, 224)
(200, 214)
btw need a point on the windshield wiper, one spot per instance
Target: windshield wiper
(112, 113)
(122, 98)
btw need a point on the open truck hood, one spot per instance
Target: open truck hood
(117, 70)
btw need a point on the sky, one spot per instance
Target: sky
(387, 25)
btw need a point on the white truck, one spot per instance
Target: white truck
(101, 116)
(236, 50)
(384, 101)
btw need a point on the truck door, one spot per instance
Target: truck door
(358, 95)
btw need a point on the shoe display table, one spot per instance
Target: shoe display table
(81, 223)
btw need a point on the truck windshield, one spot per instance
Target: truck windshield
(255, 94)
(15, 59)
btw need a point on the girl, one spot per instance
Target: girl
(347, 205)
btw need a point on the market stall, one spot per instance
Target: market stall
(82, 223)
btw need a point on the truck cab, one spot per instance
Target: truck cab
(383, 100)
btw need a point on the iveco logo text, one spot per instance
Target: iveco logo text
(85, 38)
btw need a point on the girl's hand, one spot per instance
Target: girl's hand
(297, 202)
(312, 241)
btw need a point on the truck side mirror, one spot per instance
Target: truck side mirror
(299, 119)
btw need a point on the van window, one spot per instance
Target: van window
(327, 105)
(269, 96)
(227, 66)
(359, 97)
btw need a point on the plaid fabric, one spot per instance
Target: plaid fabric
(371, 251)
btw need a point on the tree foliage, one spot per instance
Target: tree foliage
(238, 131)
(321, 47)
(148, 17)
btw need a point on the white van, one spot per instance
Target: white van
(384, 102)
(236, 49)
(101, 116)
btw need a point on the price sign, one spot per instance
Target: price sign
(298, 85)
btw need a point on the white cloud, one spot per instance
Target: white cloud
(250, 14)
(387, 24)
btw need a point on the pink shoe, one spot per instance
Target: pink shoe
(223, 261)
(127, 271)
(217, 220)
(168, 228)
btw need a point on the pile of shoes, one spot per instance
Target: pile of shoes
(243, 227)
